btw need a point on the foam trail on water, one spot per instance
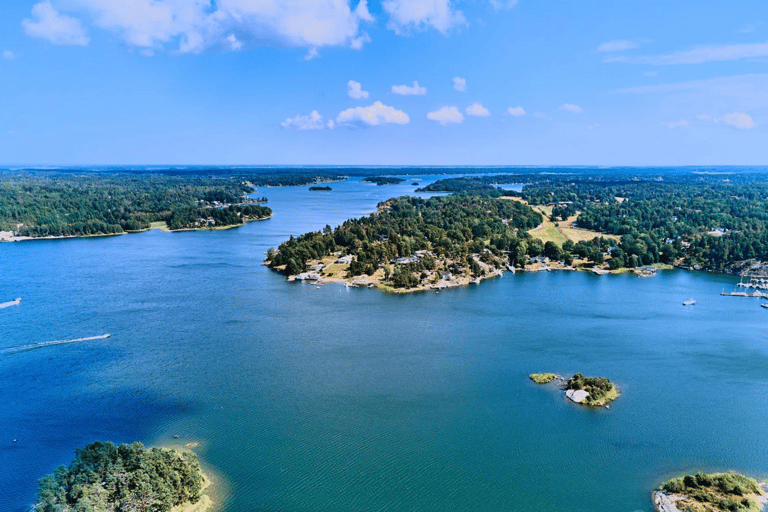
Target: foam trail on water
(42, 344)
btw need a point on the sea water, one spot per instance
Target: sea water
(305, 398)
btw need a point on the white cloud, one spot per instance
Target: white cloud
(739, 120)
(503, 4)
(542, 115)
(570, 107)
(405, 90)
(330, 124)
(460, 84)
(48, 23)
(476, 109)
(420, 14)
(618, 45)
(313, 121)
(8, 55)
(234, 44)
(516, 111)
(679, 124)
(699, 55)
(199, 25)
(355, 90)
(376, 114)
(446, 115)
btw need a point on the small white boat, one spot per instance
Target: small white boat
(689, 302)
(765, 305)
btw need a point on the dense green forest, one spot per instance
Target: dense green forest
(453, 227)
(699, 220)
(126, 478)
(87, 204)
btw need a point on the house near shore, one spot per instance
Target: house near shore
(308, 276)
(345, 260)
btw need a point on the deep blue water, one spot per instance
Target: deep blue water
(309, 399)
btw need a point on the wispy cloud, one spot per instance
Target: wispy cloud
(48, 23)
(374, 115)
(542, 115)
(313, 121)
(477, 110)
(753, 86)
(446, 115)
(739, 120)
(570, 107)
(460, 84)
(750, 27)
(8, 55)
(679, 124)
(698, 55)
(516, 111)
(503, 4)
(618, 45)
(405, 90)
(355, 90)
(405, 15)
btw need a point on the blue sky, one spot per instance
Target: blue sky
(391, 82)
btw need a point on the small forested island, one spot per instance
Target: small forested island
(319, 188)
(589, 391)
(383, 180)
(125, 478)
(714, 492)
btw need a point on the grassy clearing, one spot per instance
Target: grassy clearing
(565, 230)
(162, 225)
(542, 378)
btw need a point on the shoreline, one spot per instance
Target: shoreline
(211, 482)
(12, 238)
(318, 277)
(666, 501)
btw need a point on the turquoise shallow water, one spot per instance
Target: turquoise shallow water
(308, 399)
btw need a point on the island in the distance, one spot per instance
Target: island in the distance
(125, 478)
(710, 493)
(317, 188)
(383, 180)
(589, 391)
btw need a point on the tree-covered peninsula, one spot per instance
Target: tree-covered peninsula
(415, 243)
(126, 478)
(83, 204)
(717, 492)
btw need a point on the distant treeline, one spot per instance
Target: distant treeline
(89, 204)
(125, 478)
